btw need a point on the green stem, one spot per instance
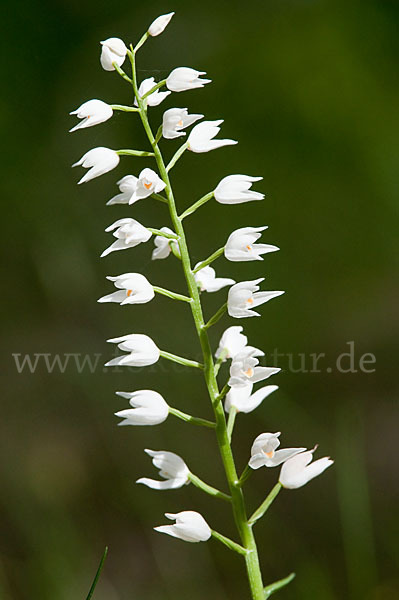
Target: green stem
(218, 315)
(229, 543)
(231, 421)
(142, 41)
(222, 394)
(180, 360)
(121, 72)
(165, 234)
(247, 472)
(170, 294)
(196, 205)
(176, 156)
(277, 585)
(96, 578)
(153, 89)
(238, 503)
(209, 260)
(124, 108)
(129, 152)
(258, 514)
(190, 419)
(208, 488)
(160, 198)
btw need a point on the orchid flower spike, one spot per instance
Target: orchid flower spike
(235, 189)
(231, 343)
(113, 51)
(127, 186)
(153, 99)
(98, 161)
(171, 467)
(159, 25)
(295, 472)
(241, 245)
(133, 288)
(148, 408)
(242, 399)
(201, 137)
(176, 119)
(141, 351)
(128, 233)
(244, 368)
(184, 78)
(163, 246)
(208, 282)
(190, 526)
(264, 453)
(244, 296)
(92, 112)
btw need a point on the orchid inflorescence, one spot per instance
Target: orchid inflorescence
(148, 407)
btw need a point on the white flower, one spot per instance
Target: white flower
(153, 99)
(171, 467)
(242, 399)
(92, 112)
(184, 78)
(148, 183)
(176, 119)
(244, 368)
(133, 288)
(190, 526)
(98, 161)
(113, 51)
(148, 408)
(244, 296)
(129, 233)
(163, 245)
(295, 473)
(241, 245)
(208, 282)
(141, 351)
(201, 137)
(160, 24)
(231, 343)
(235, 189)
(264, 453)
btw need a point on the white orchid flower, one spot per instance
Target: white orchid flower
(201, 137)
(127, 186)
(148, 183)
(241, 246)
(133, 288)
(113, 51)
(243, 400)
(244, 296)
(92, 112)
(141, 351)
(244, 368)
(184, 78)
(98, 161)
(295, 472)
(171, 467)
(159, 25)
(176, 119)
(163, 245)
(148, 408)
(231, 343)
(190, 526)
(129, 233)
(264, 453)
(235, 189)
(153, 99)
(208, 282)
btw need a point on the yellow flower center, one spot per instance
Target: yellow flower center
(249, 372)
(250, 301)
(180, 123)
(129, 293)
(147, 186)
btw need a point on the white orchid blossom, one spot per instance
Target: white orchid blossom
(140, 348)
(232, 342)
(244, 368)
(235, 189)
(241, 246)
(148, 183)
(176, 119)
(133, 288)
(208, 282)
(171, 467)
(113, 51)
(98, 161)
(201, 137)
(163, 245)
(244, 296)
(264, 453)
(243, 400)
(92, 113)
(148, 408)
(127, 186)
(128, 233)
(185, 78)
(190, 526)
(297, 471)
(159, 25)
(153, 99)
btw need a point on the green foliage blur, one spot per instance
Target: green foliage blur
(310, 90)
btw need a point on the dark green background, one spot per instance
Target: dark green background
(310, 90)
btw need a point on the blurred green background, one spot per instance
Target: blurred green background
(310, 90)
